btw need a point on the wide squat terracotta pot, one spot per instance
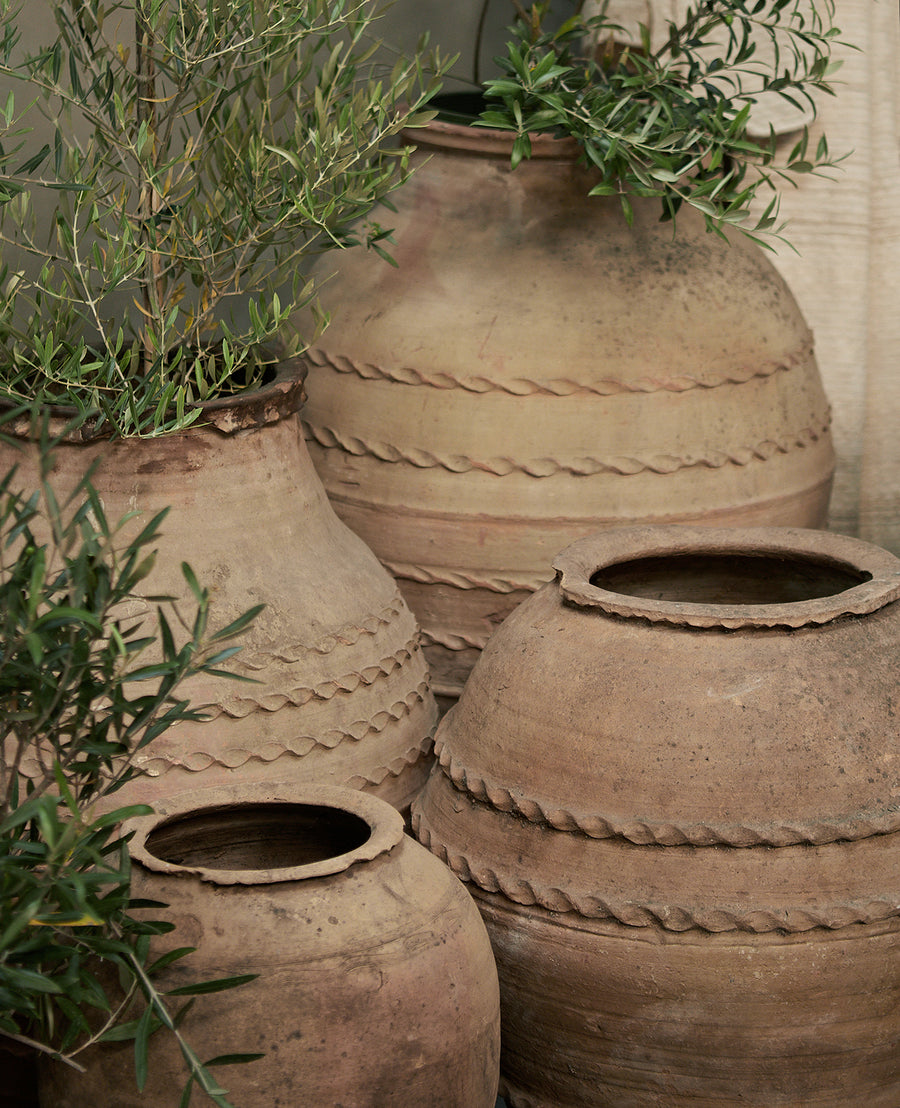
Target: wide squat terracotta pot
(376, 981)
(673, 785)
(340, 691)
(536, 369)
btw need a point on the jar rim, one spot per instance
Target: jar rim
(445, 134)
(279, 398)
(385, 824)
(878, 570)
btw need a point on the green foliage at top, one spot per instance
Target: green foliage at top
(83, 687)
(671, 123)
(201, 152)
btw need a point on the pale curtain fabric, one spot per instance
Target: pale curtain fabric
(846, 275)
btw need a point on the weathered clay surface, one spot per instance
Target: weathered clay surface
(376, 987)
(687, 722)
(341, 694)
(772, 1021)
(673, 785)
(535, 369)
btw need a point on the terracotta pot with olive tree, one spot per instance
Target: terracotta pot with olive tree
(581, 330)
(84, 687)
(200, 155)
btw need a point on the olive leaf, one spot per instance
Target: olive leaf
(672, 123)
(201, 154)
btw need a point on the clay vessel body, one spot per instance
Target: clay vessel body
(376, 982)
(672, 785)
(341, 694)
(536, 369)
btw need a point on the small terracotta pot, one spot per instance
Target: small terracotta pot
(340, 692)
(673, 785)
(376, 981)
(536, 369)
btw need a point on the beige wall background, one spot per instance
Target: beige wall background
(846, 272)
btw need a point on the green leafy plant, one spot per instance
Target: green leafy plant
(12, 141)
(671, 122)
(201, 153)
(83, 687)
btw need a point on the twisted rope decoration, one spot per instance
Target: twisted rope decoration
(239, 707)
(670, 917)
(197, 761)
(660, 464)
(398, 766)
(455, 642)
(460, 579)
(348, 635)
(555, 386)
(659, 832)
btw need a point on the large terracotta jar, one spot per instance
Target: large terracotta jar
(535, 369)
(340, 693)
(376, 984)
(673, 785)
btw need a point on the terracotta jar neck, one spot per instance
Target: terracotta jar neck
(264, 835)
(244, 410)
(727, 578)
(450, 134)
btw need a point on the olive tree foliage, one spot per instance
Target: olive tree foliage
(671, 121)
(201, 152)
(83, 688)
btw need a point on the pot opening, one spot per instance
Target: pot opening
(258, 837)
(728, 578)
(460, 106)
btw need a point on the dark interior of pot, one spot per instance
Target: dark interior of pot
(459, 106)
(728, 578)
(258, 836)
